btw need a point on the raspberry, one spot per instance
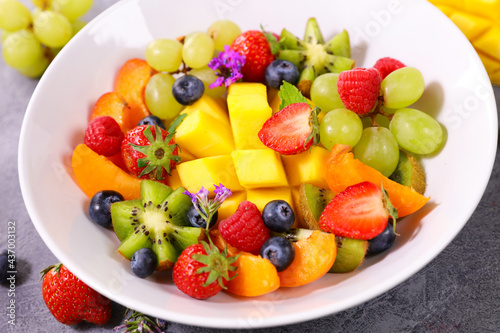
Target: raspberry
(387, 65)
(359, 89)
(104, 136)
(245, 229)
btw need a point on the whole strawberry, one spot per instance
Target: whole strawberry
(149, 155)
(104, 136)
(201, 271)
(254, 46)
(70, 300)
(245, 229)
(359, 89)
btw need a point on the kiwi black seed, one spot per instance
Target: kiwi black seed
(158, 221)
(350, 254)
(409, 172)
(312, 202)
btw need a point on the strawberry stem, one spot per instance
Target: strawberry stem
(56, 267)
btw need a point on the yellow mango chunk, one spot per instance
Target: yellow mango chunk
(259, 168)
(489, 43)
(230, 205)
(471, 25)
(209, 171)
(299, 220)
(486, 8)
(260, 197)
(209, 106)
(174, 180)
(186, 155)
(204, 136)
(248, 111)
(307, 167)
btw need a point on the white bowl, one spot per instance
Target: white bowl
(457, 93)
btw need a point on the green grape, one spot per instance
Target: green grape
(159, 98)
(36, 69)
(380, 120)
(207, 76)
(42, 4)
(324, 92)
(378, 148)
(340, 126)
(52, 29)
(198, 50)
(223, 32)
(416, 131)
(76, 26)
(402, 87)
(14, 15)
(72, 9)
(21, 49)
(164, 55)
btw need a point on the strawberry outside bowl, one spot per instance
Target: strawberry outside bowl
(458, 94)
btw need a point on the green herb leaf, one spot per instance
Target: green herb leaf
(289, 94)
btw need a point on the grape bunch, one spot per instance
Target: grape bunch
(183, 62)
(370, 110)
(31, 39)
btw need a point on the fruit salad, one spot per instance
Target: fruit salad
(246, 161)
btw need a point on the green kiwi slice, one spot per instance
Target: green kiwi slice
(312, 202)
(409, 172)
(350, 254)
(158, 221)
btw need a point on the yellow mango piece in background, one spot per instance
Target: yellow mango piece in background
(307, 167)
(260, 197)
(209, 106)
(259, 168)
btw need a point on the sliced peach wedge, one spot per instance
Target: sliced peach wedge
(344, 170)
(113, 105)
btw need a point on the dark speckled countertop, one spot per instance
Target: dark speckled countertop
(459, 291)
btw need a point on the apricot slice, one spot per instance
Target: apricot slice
(130, 83)
(255, 276)
(344, 170)
(113, 105)
(95, 173)
(314, 256)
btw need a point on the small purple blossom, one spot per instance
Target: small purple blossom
(221, 193)
(206, 207)
(227, 66)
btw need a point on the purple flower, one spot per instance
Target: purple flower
(227, 66)
(206, 207)
(221, 193)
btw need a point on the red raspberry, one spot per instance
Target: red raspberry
(359, 89)
(245, 229)
(387, 65)
(104, 136)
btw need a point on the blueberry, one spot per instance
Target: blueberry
(197, 221)
(144, 262)
(4, 268)
(187, 89)
(279, 71)
(383, 241)
(278, 215)
(152, 120)
(279, 251)
(100, 207)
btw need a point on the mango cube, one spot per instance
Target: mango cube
(260, 197)
(174, 180)
(299, 220)
(209, 106)
(209, 171)
(230, 205)
(307, 167)
(204, 136)
(248, 111)
(258, 168)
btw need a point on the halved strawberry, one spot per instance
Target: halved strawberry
(361, 211)
(291, 130)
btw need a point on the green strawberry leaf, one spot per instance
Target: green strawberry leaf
(176, 123)
(272, 40)
(289, 94)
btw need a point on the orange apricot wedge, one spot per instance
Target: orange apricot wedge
(314, 256)
(95, 173)
(344, 170)
(130, 83)
(255, 276)
(113, 105)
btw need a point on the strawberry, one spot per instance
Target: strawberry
(361, 211)
(245, 229)
(70, 300)
(254, 46)
(148, 155)
(201, 271)
(292, 130)
(359, 89)
(104, 136)
(387, 65)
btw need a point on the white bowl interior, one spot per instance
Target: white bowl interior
(457, 93)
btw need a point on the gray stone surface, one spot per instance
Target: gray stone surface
(459, 291)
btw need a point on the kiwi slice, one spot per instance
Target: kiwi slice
(313, 56)
(312, 202)
(409, 172)
(350, 254)
(158, 221)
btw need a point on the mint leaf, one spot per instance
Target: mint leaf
(289, 94)
(272, 40)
